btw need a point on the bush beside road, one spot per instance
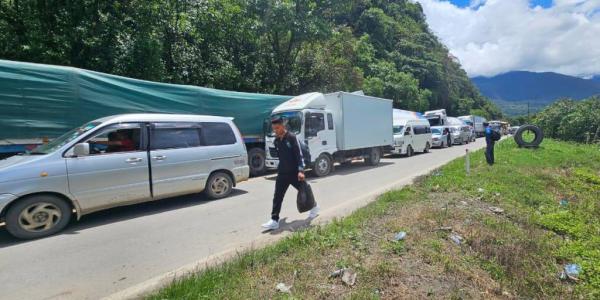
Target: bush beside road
(505, 231)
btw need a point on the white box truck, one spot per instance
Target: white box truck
(336, 127)
(437, 117)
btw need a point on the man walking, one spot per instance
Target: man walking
(289, 172)
(489, 143)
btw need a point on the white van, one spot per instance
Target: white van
(116, 161)
(411, 135)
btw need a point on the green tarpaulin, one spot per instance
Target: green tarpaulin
(45, 101)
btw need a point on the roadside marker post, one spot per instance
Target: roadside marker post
(467, 162)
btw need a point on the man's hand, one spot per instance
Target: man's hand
(301, 176)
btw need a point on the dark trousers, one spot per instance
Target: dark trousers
(489, 153)
(281, 185)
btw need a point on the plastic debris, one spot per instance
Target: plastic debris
(457, 239)
(349, 277)
(497, 194)
(480, 190)
(400, 236)
(564, 202)
(571, 271)
(438, 173)
(445, 228)
(496, 210)
(463, 203)
(283, 288)
(337, 273)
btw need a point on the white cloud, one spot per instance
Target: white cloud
(495, 36)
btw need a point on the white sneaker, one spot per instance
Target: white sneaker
(272, 225)
(314, 212)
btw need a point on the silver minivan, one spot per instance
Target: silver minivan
(116, 161)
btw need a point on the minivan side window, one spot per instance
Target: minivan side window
(216, 134)
(174, 136)
(116, 139)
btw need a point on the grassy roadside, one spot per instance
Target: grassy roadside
(514, 254)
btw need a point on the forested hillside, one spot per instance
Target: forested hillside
(284, 47)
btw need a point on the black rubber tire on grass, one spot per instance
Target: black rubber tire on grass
(539, 136)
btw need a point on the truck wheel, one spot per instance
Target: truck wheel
(427, 147)
(322, 166)
(218, 186)
(374, 157)
(409, 151)
(538, 133)
(37, 216)
(256, 161)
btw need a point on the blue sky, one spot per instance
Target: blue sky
(491, 37)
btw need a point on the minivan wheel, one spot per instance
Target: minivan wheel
(409, 151)
(37, 216)
(322, 166)
(219, 185)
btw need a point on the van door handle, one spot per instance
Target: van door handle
(160, 157)
(133, 160)
(324, 143)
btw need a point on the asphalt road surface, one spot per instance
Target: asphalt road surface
(122, 251)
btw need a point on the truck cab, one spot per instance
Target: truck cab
(312, 124)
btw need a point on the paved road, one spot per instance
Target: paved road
(127, 247)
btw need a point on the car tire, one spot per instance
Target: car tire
(256, 161)
(427, 147)
(322, 166)
(374, 157)
(409, 151)
(218, 186)
(38, 216)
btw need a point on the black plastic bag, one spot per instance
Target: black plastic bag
(306, 199)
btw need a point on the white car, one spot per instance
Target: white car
(116, 161)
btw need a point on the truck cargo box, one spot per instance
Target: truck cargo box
(361, 121)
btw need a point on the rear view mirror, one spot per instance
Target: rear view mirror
(82, 149)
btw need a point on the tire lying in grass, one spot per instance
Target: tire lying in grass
(539, 136)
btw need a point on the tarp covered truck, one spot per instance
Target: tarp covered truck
(336, 127)
(40, 102)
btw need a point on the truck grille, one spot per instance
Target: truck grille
(273, 152)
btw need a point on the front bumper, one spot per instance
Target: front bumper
(437, 143)
(397, 150)
(271, 163)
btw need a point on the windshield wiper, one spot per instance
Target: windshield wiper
(36, 153)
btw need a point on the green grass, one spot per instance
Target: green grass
(518, 253)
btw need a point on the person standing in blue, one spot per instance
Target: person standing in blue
(489, 143)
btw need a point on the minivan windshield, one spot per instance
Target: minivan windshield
(398, 129)
(291, 119)
(63, 140)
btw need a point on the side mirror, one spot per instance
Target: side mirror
(82, 149)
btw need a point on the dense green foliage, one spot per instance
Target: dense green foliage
(572, 120)
(273, 46)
